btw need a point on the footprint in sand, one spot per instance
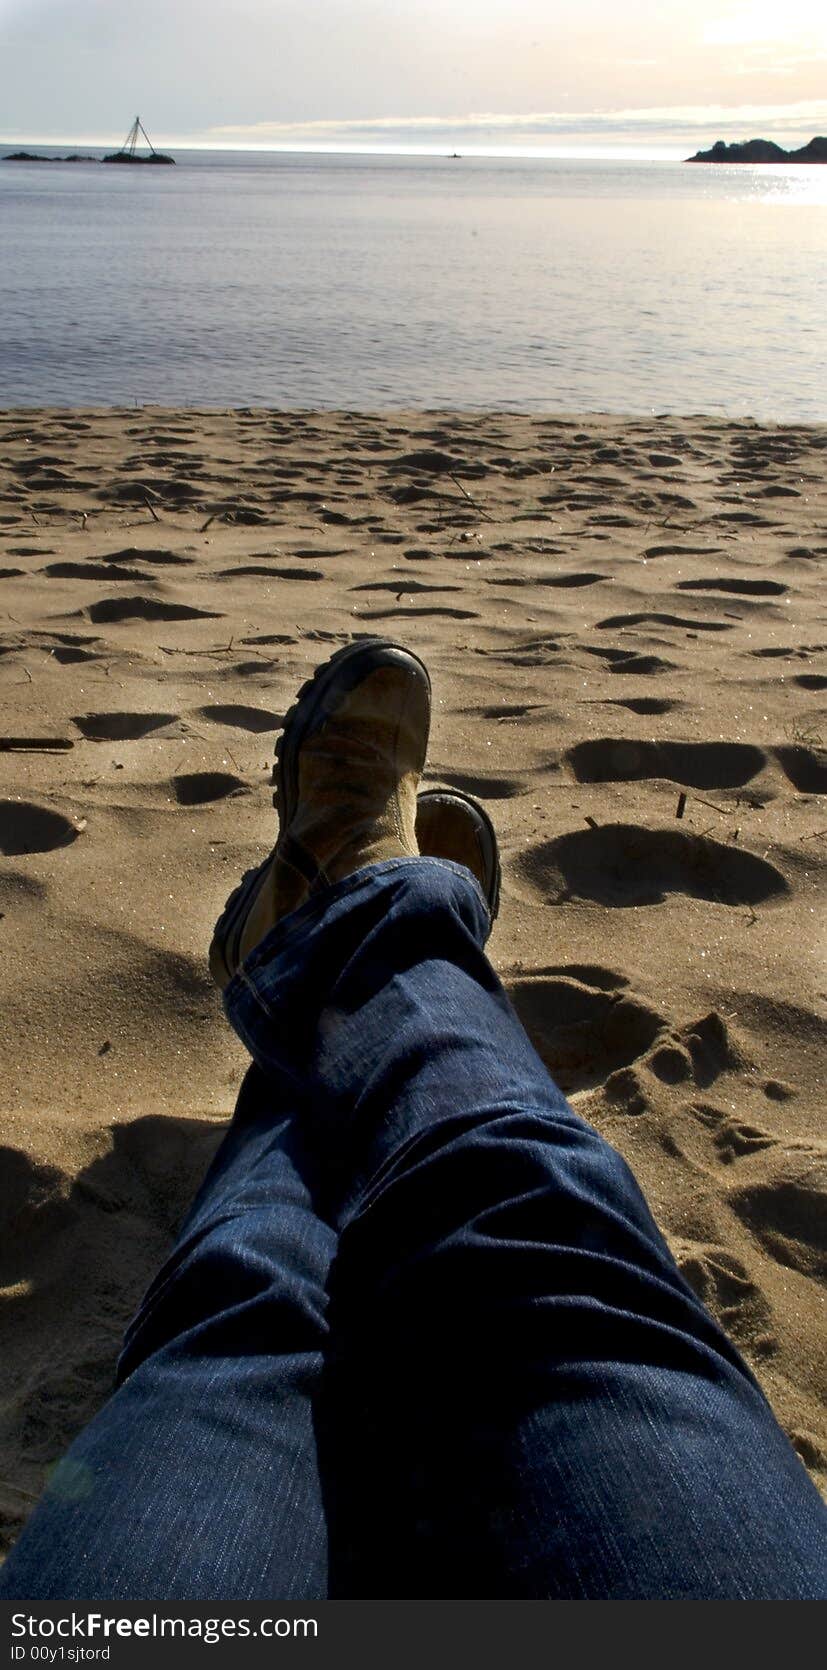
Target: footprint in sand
(91, 571)
(698, 1053)
(630, 662)
(154, 489)
(136, 553)
(664, 620)
(724, 1284)
(562, 581)
(682, 550)
(621, 865)
(261, 571)
(481, 785)
(17, 889)
(201, 788)
(68, 654)
(509, 710)
(144, 608)
(805, 768)
(644, 704)
(697, 765)
(392, 614)
(537, 652)
(735, 1139)
(588, 974)
(249, 669)
(240, 718)
(91, 1240)
(742, 588)
(780, 1195)
(404, 588)
(645, 666)
(271, 638)
(123, 727)
(742, 518)
(25, 827)
(583, 1033)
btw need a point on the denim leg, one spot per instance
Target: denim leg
(198, 1480)
(525, 1398)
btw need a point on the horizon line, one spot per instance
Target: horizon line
(671, 151)
(653, 130)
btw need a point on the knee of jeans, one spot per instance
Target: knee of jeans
(438, 884)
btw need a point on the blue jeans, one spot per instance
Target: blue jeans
(420, 1336)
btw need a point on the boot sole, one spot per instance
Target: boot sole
(317, 701)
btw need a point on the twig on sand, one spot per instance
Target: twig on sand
(471, 500)
(35, 744)
(149, 507)
(723, 811)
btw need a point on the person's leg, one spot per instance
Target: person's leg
(527, 1399)
(198, 1480)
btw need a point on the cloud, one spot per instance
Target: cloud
(754, 23)
(491, 127)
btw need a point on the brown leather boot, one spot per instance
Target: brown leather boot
(449, 824)
(348, 764)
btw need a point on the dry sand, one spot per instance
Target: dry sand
(616, 614)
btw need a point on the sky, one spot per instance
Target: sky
(657, 77)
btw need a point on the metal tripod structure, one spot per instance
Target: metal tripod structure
(129, 149)
(130, 144)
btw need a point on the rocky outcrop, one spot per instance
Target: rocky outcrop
(31, 156)
(130, 157)
(762, 150)
(119, 156)
(815, 151)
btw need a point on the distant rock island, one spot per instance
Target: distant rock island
(128, 156)
(117, 156)
(29, 156)
(128, 152)
(762, 150)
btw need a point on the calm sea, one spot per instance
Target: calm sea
(378, 282)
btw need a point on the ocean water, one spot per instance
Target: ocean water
(375, 282)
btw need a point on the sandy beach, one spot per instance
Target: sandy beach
(628, 649)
